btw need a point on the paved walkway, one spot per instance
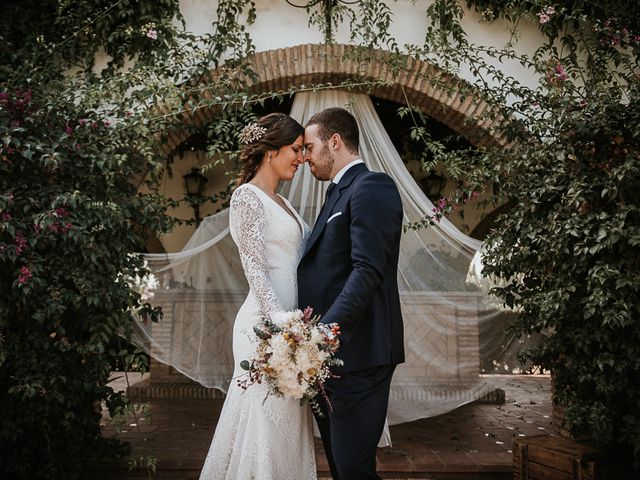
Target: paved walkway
(472, 442)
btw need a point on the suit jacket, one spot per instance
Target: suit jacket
(348, 272)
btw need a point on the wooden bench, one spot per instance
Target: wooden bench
(558, 458)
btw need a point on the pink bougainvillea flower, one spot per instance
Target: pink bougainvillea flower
(61, 212)
(561, 73)
(21, 243)
(546, 14)
(152, 34)
(24, 275)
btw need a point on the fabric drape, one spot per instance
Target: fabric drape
(452, 328)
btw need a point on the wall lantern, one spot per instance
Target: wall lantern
(433, 185)
(194, 183)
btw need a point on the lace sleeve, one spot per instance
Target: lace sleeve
(247, 224)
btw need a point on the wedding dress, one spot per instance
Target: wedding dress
(258, 436)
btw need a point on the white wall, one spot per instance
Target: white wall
(279, 25)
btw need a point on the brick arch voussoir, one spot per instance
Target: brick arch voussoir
(446, 98)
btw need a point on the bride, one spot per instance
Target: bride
(258, 436)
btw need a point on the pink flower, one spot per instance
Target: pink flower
(21, 243)
(152, 34)
(68, 129)
(25, 274)
(106, 123)
(83, 121)
(5, 216)
(546, 14)
(560, 72)
(61, 212)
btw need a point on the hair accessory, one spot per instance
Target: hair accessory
(251, 133)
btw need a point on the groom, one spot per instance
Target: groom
(348, 274)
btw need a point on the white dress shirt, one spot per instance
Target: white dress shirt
(344, 169)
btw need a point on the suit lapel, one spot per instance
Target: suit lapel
(321, 221)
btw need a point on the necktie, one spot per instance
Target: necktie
(328, 192)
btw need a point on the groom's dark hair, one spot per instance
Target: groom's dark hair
(337, 120)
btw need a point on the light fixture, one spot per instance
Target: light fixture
(194, 183)
(433, 185)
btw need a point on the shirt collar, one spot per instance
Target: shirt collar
(344, 169)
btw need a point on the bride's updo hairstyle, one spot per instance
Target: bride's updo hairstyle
(271, 132)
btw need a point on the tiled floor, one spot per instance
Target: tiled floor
(472, 442)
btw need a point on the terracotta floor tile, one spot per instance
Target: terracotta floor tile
(474, 438)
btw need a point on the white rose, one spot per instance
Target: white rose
(279, 318)
(288, 383)
(317, 336)
(280, 352)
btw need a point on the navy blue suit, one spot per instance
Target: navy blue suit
(348, 274)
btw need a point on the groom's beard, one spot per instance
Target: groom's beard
(323, 164)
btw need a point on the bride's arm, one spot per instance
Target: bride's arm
(247, 224)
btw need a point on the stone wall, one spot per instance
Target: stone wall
(443, 351)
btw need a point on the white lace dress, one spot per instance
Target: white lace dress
(260, 437)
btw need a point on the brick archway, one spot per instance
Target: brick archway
(444, 97)
(448, 100)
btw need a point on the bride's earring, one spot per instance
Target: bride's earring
(269, 158)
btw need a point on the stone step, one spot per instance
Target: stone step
(148, 389)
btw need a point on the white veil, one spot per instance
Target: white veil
(201, 288)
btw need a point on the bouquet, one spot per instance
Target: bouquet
(293, 356)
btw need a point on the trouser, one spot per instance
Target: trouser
(351, 427)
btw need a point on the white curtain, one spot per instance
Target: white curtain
(449, 323)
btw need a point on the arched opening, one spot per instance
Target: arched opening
(452, 111)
